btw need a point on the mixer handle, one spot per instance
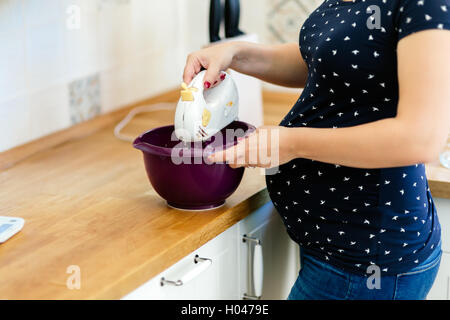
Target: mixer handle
(198, 80)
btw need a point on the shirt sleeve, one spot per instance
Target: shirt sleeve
(417, 15)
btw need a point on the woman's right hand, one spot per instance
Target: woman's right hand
(214, 59)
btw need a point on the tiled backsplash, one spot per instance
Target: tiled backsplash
(65, 61)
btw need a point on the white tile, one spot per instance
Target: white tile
(195, 28)
(49, 110)
(11, 15)
(114, 34)
(12, 58)
(40, 12)
(143, 77)
(12, 48)
(45, 56)
(14, 123)
(82, 48)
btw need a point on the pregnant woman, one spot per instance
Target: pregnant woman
(351, 188)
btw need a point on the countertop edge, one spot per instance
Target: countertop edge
(143, 273)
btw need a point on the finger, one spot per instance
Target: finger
(191, 69)
(212, 76)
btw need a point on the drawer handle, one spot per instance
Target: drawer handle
(256, 268)
(201, 265)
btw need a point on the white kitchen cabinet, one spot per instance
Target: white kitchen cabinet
(218, 281)
(280, 254)
(441, 286)
(227, 278)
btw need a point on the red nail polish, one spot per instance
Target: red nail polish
(207, 85)
(223, 76)
(215, 83)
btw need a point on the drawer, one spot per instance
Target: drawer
(219, 281)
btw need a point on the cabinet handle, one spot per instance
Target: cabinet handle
(256, 268)
(201, 265)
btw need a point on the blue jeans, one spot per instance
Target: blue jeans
(318, 280)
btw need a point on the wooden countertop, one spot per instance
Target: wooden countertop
(87, 202)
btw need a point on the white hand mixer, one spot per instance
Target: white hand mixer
(201, 114)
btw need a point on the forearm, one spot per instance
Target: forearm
(381, 144)
(278, 64)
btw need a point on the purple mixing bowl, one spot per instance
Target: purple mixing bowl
(194, 184)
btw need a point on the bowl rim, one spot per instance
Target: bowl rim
(158, 150)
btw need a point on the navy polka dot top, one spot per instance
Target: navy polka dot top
(349, 217)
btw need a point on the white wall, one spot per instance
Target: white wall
(54, 74)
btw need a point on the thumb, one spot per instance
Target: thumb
(211, 76)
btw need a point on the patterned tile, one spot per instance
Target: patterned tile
(84, 95)
(285, 18)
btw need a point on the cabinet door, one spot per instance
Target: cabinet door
(443, 210)
(219, 281)
(441, 286)
(280, 254)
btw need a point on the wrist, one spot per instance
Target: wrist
(290, 142)
(239, 51)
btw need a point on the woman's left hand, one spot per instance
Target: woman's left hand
(267, 147)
